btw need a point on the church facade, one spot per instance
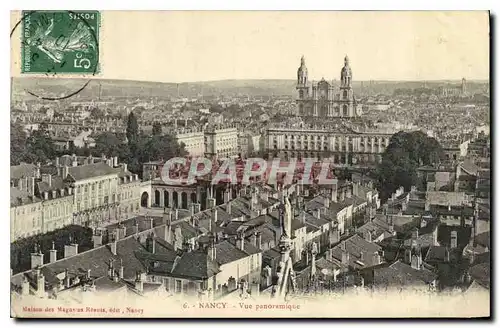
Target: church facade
(323, 99)
(328, 125)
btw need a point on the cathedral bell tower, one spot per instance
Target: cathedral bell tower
(346, 94)
(302, 85)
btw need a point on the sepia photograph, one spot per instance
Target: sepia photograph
(250, 164)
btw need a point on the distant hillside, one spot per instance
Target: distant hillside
(140, 89)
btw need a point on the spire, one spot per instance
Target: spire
(346, 60)
(302, 61)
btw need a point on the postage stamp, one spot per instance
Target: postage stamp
(60, 42)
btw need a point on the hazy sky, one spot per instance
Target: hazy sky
(195, 46)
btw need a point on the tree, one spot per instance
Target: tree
(405, 153)
(157, 130)
(110, 145)
(96, 113)
(162, 147)
(132, 129)
(39, 147)
(17, 143)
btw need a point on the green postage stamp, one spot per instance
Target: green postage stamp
(60, 42)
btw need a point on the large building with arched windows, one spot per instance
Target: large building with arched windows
(323, 99)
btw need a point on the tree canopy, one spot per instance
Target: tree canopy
(157, 130)
(405, 153)
(38, 147)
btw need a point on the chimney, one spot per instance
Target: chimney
(97, 238)
(327, 202)
(303, 217)
(47, 178)
(427, 205)
(376, 258)
(111, 269)
(414, 234)
(36, 259)
(151, 243)
(361, 256)
(211, 250)
(259, 239)
(228, 207)
(227, 196)
(404, 206)
(57, 162)
(454, 237)
(65, 171)
(193, 209)
(151, 222)
(120, 270)
(168, 233)
(135, 228)
(122, 231)
(21, 185)
(139, 281)
(67, 282)
(345, 256)
(40, 283)
(317, 213)
(70, 250)
(253, 239)
(53, 253)
(216, 216)
(176, 217)
(88, 274)
(435, 236)
(368, 236)
(31, 186)
(334, 197)
(112, 245)
(241, 241)
(25, 286)
(210, 202)
(416, 262)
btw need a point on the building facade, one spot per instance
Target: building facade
(194, 141)
(342, 146)
(221, 142)
(320, 98)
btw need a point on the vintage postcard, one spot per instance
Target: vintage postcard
(250, 164)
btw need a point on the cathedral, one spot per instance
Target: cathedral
(321, 100)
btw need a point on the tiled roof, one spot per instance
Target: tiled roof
(57, 183)
(400, 273)
(18, 197)
(22, 170)
(227, 252)
(195, 264)
(483, 239)
(354, 246)
(89, 171)
(481, 273)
